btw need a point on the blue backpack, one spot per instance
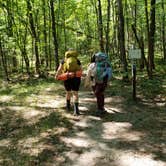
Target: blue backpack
(103, 67)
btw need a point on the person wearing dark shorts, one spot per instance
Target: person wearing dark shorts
(72, 84)
(72, 87)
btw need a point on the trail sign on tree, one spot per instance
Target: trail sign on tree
(134, 54)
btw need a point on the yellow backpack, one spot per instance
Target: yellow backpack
(71, 62)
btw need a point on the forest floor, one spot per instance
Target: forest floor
(36, 130)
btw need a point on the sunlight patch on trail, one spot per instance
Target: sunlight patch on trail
(35, 145)
(115, 99)
(33, 115)
(6, 98)
(82, 123)
(133, 159)
(121, 130)
(88, 158)
(5, 142)
(45, 101)
(113, 110)
(78, 142)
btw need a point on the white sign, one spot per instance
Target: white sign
(135, 54)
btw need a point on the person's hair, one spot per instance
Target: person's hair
(92, 58)
(70, 49)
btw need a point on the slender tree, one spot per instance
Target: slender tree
(121, 35)
(9, 17)
(64, 24)
(2, 56)
(163, 30)
(21, 33)
(151, 42)
(54, 34)
(114, 41)
(45, 32)
(108, 27)
(100, 26)
(34, 35)
(141, 46)
(22, 45)
(150, 24)
(138, 37)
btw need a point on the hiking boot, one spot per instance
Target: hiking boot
(100, 112)
(76, 110)
(103, 111)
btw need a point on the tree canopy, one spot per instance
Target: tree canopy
(35, 34)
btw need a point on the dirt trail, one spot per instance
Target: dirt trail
(122, 137)
(40, 132)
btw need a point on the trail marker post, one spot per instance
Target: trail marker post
(134, 54)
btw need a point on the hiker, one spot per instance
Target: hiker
(70, 71)
(98, 73)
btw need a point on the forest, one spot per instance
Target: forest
(34, 127)
(35, 34)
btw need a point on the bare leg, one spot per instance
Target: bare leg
(76, 100)
(75, 96)
(68, 98)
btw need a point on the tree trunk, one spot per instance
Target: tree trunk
(100, 26)
(45, 33)
(54, 34)
(139, 40)
(147, 18)
(64, 25)
(34, 36)
(4, 62)
(127, 25)
(108, 29)
(26, 59)
(121, 35)
(141, 46)
(163, 30)
(151, 37)
(114, 43)
(135, 13)
(24, 52)
(9, 17)
(49, 46)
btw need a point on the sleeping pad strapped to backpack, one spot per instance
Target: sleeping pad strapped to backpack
(103, 67)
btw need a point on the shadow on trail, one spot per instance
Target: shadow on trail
(24, 143)
(130, 131)
(131, 127)
(47, 135)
